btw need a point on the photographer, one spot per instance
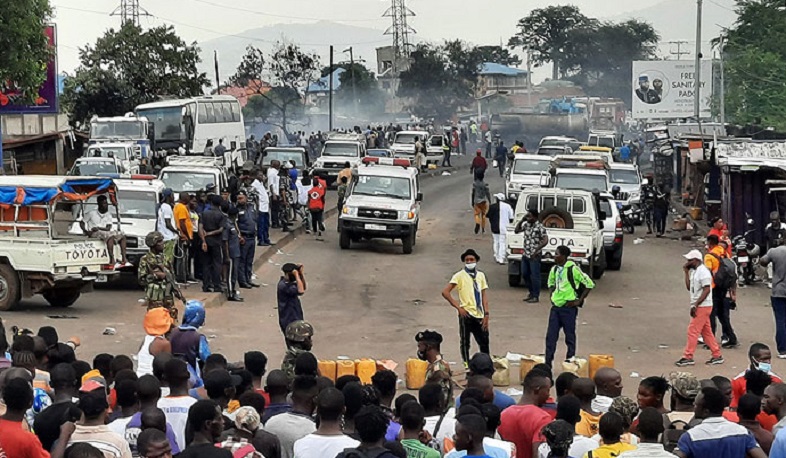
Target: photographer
(291, 286)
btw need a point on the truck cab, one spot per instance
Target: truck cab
(138, 199)
(587, 173)
(382, 202)
(95, 166)
(605, 138)
(527, 170)
(335, 154)
(123, 152)
(193, 173)
(572, 218)
(628, 178)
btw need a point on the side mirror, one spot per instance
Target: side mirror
(419, 197)
(645, 182)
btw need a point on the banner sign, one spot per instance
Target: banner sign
(46, 102)
(664, 89)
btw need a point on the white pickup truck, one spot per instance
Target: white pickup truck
(572, 218)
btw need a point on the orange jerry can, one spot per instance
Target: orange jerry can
(327, 369)
(598, 361)
(527, 363)
(344, 367)
(365, 369)
(416, 373)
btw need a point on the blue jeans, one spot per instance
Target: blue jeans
(263, 225)
(561, 318)
(779, 310)
(530, 271)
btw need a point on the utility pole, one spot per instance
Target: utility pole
(697, 72)
(130, 11)
(529, 77)
(352, 75)
(679, 52)
(721, 43)
(218, 79)
(400, 30)
(330, 93)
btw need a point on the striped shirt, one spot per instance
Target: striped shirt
(111, 444)
(716, 437)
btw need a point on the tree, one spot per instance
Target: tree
(359, 91)
(547, 33)
(288, 71)
(267, 108)
(497, 55)
(129, 67)
(25, 48)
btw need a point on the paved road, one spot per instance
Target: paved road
(371, 300)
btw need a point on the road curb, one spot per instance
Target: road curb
(261, 258)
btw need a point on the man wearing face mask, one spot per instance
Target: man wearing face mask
(760, 358)
(438, 370)
(472, 306)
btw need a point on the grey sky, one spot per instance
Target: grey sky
(480, 22)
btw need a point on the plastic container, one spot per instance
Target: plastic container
(344, 367)
(598, 361)
(416, 373)
(365, 369)
(578, 366)
(528, 362)
(327, 369)
(501, 375)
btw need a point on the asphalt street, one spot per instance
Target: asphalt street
(371, 300)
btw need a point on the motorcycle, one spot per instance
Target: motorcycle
(746, 255)
(629, 215)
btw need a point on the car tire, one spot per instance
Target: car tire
(599, 268)
(556, 218)
(344, 240)
(10, 288)
(614, 260)
(63, 297)
(408, 242)
(514, 280)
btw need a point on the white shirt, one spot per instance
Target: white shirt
(97, 219)
(164, 213)
(290, 427)
(647, 451)
(446, 429)
(506, 216)
(119, 426)
(273, 181)
(579, 447)
(176, 411)
(263, 199)
(700, 277)
(316, 446)
(601, 403)
(302, 192)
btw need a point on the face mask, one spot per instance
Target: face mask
(422, 355)
(471, 265)
(764, 367)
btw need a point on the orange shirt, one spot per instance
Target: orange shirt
(712, 262)
(181, 213)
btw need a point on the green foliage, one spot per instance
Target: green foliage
(24, 48)
(359, 92)
(287, 70)
(267, 108)
(129, 67)
(497, 55)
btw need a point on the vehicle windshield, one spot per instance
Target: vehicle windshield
(91, 169)
(109, 151)
(624, 177)
(395, 187)
(378, 153)
(407, 139)
(283, 156)
(606, 142)
(552, 142)
(137, 204)
(551, 151)
(340, 150)
(530, 166)
(581, 182)
(187, 181)
(117, 129)
(167, 121)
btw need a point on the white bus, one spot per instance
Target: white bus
(193, 122)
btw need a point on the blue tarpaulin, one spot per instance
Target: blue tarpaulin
(39, 195)
(101, 184)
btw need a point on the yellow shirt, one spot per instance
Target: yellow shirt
(181, 213)
(588, 425)
(712, 262)
(610, 451)
(466, 291)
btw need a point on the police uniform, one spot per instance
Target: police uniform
(247, 225)
(159, 292)
(296, 333)
(231, 239)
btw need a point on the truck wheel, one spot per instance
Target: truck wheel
(408, 243)
(557, 218)
(62, 297)
(344, 240)
(614, 260)
(599, 268)
(514, 280)
(10, 290)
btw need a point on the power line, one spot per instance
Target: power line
(130, 11)
(281, 16)
(679, 52)
(400, 30)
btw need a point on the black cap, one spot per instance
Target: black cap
(481, 364)
(289, 267)
(219, 379)
(224, 190)
(210, 187)
(429, 336)
(242, 192)
(176, 369)
(470, 252)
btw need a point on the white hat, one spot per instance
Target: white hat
(693, 254)
(500, 196)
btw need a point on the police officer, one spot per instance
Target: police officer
(156, 277)
(648, 193)
(246, 224)
(231, 240)
(298, 337)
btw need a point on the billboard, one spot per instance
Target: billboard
(46, 101)
(665, 89)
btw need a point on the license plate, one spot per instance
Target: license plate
(376, 227)
(101, 278)
(743, 259)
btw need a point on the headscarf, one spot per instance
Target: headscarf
(247, 419)
(559, 436)
(194, 314)
(157, 321)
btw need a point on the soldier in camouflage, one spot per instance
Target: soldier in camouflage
(157, 279)
(298, 337)
(438, 370)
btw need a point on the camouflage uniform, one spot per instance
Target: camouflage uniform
(439, 371)
(296, 332)
(158, 292)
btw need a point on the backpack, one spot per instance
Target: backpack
(672, 434)
(726, 276)
(357, 453)
(578, 289)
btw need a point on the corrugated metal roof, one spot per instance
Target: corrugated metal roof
(490, 68)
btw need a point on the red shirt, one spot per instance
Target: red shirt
(521, 424)
(316, 198)
(264, 395)
(739, 387)
(18, 443)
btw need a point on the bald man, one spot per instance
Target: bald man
(608, 382)
(584, 390)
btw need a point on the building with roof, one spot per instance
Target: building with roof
(318, 92)
(501, 79)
